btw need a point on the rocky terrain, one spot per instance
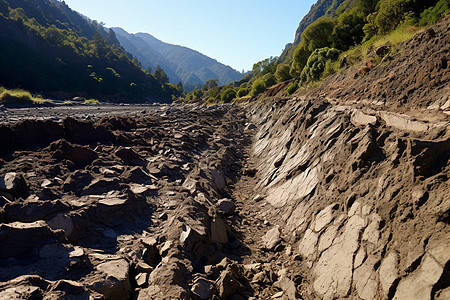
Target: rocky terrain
(316, 196)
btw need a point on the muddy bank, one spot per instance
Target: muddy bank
(361, 199)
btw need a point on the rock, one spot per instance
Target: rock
(17, 238)
(218, 181)
(298, 187)
(142, 267)
(403, 123)
(419, 284)
(114, 281)
(130, 157)
(202, 288)
(78, 155)
(13, 183)
(77, 181)
(46, 183)
(70, 289)
(150, 254)
(443, 294)
(271, 238)
(388, 271)
(166, 281)
(226, 206)
(250, 126)
(365, 279)
(137, 175)
(22, 292)
(325, 216)
(34, 210)
(142, 279)
(219, 231)
(334, 269)
(190, 237)
(277, 295)
(288, 286)
(82, 132)
(115, 208)
(62, 221)
(359, 118)
(258, 198)
(307, 246)
(100, 186)
(382, 51)
(227, 285)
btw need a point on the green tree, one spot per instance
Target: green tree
(265, 66)
(228, 95)
(211, 83)
(100, 45)
(242, 92)
(317, 62)
(258, 87)
(292, 88)
(301, 55)
(317, 35)
(433, 14)
(348, 30)
(282, 73)
(161, 76)
(4, 7)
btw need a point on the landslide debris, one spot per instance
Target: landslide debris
(309, 197)
(121, 207)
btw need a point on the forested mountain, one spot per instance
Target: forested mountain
(174, 59)
(48, 48)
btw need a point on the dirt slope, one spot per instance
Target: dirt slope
(353, 177)
(338, 193)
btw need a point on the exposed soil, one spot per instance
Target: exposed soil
(337, 193)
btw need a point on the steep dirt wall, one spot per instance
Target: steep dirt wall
(361, 198)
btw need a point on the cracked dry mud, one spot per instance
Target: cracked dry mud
(310, 197)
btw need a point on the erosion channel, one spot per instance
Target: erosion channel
(306, 197)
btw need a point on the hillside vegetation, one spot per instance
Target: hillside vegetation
(183, 64)
(334, 35)
(48, 48)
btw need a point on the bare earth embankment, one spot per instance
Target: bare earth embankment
(338, 193)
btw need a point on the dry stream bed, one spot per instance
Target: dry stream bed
(283, 199)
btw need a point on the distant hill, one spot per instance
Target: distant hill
(180, 63)
(48, 48)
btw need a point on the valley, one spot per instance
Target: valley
(135, 169)
(311, 196)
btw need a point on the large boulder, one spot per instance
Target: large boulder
(78, 155)
(82, 132)
(112, 279)
(13, 183)
(18, 238)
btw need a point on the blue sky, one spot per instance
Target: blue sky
(236, 33)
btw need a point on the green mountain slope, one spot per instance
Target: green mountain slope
(182, 61)
(351, 21)
(48, 48)
(146, 55)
